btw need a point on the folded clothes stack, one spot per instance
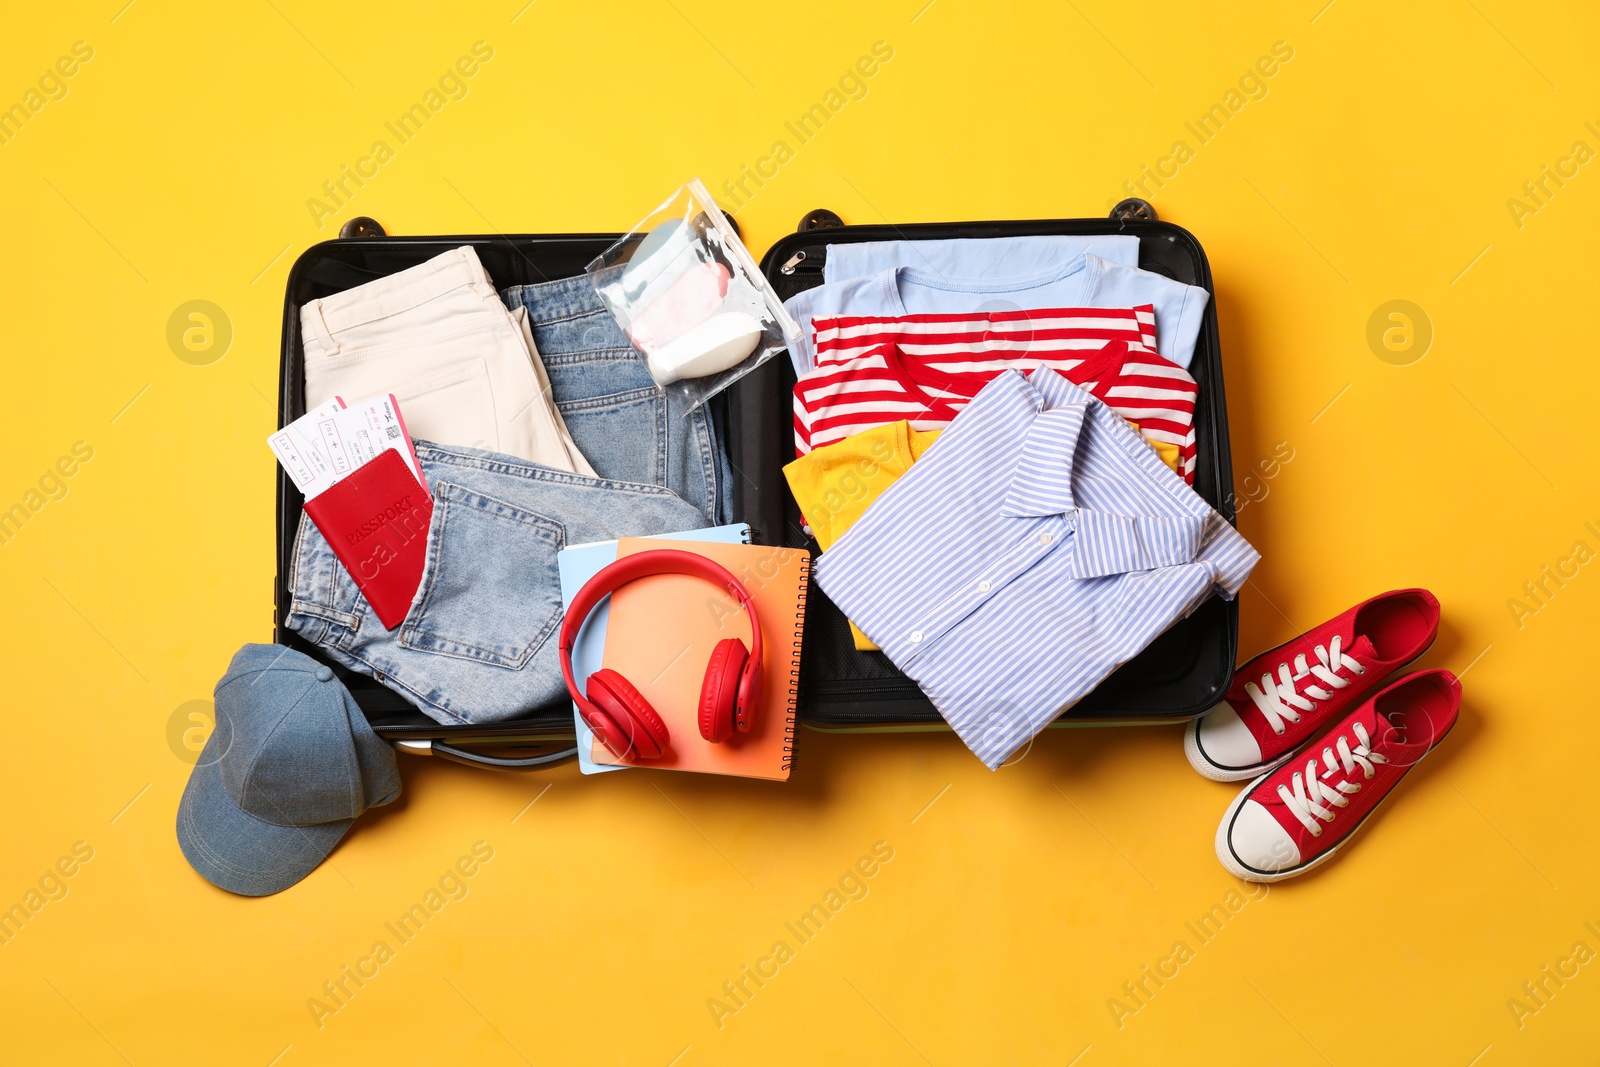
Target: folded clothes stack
(908, 343)
(537, 426)
(996, 452)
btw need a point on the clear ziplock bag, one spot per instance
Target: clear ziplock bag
(690, 297)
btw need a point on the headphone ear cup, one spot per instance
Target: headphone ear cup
(614, 737)
(720, 691)
(744, 708)
(638, 730)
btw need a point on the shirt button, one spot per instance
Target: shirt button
(983, 587)
(1044, 539)
(916, 635)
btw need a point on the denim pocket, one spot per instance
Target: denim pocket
(490, 589)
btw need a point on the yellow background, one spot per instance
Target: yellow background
(1377, 167)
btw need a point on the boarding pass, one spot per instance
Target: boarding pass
(329, 442)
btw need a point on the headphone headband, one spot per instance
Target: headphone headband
(642, 565)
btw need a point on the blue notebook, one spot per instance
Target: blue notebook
(577, 564)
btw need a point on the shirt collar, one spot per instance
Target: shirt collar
(1042, 482)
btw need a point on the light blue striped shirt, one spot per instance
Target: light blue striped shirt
(1038, 545)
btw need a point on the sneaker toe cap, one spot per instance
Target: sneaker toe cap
(1225, 740)
(1259, 841)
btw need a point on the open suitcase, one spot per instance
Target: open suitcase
(1181, 675)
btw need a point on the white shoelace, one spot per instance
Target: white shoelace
(1278, 699)
(1314, 797)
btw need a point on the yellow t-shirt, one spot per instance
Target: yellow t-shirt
(1169, 453)
(835, 484)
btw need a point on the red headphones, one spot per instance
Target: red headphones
(617, 712)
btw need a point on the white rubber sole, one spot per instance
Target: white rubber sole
(1218, 773)
(1231, 864)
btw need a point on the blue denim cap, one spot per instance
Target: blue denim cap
(288, 767)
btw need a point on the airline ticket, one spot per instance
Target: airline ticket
(329, 442)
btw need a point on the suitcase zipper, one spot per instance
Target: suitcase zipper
(794, 261)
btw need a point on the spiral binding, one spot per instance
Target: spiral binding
(794, 662)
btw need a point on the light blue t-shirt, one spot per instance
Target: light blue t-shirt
(975, 257)
(1085, 281)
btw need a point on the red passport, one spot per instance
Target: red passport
(376, 521)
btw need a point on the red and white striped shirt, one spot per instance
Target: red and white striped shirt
(952, 342)
(882, 386)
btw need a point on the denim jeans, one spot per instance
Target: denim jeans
(479, 643)
(625, 426)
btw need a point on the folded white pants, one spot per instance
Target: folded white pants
(438, 337)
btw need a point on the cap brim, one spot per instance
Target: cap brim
(236, 851)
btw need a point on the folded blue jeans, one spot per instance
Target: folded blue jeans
(479, 643)
(625, 426)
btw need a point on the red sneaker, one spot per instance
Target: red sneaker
(1280, 699)
(1289, 821)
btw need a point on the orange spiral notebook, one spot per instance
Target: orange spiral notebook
(660, 636)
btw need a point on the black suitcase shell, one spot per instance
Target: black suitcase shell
(1181, 675)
